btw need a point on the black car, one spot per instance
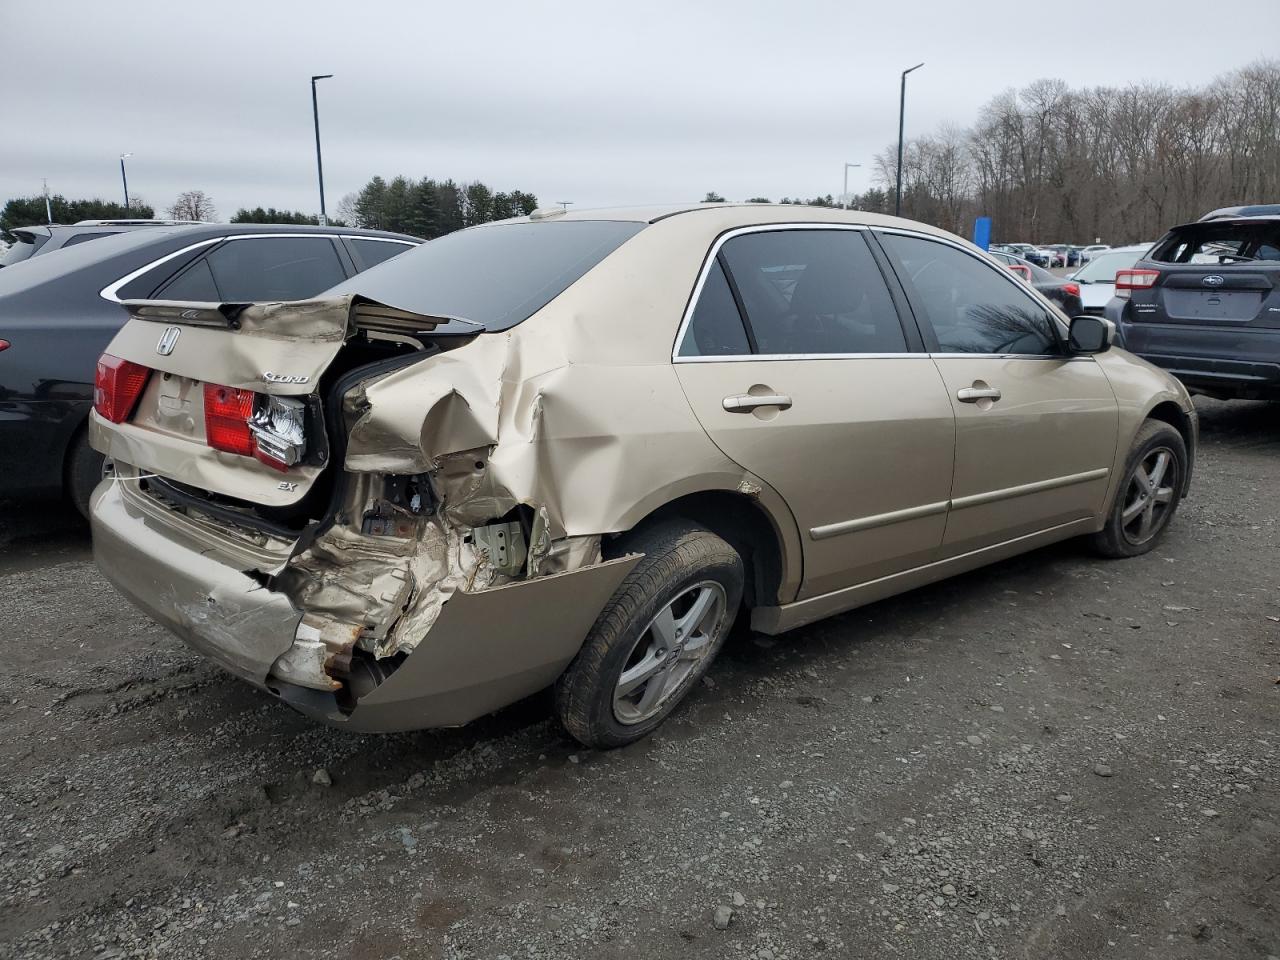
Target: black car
(27, 242)
(1204, 303)
(1065, 293)
(58, 313)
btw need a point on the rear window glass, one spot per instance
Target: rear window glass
(1221, 243)
(493, 275)
(275, 268)
(21, 246)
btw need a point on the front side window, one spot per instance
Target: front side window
(275, 268)
(813, 292)
(970, 305)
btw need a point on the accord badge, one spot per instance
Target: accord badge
(167, 340)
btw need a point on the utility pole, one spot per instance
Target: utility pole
(315, 114)
(902, 111)
(844, 197)
(125, 181)
(48, 210)
(564, 204)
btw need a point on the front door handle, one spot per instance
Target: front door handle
(746, 402)
(974, 394)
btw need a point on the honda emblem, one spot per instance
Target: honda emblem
(168, 340)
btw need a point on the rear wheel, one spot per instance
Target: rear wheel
(84, 472)
(1149, 495)
(655, 638)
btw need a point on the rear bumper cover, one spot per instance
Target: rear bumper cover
(486, 650)
(1229, 361)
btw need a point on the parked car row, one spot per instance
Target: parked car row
(1051, 255)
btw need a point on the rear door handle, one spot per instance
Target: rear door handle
(746, 402)
(974, 394)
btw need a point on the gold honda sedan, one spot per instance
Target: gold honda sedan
(573, 449)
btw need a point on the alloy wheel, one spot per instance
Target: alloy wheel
(1149, 496)
(669, 651)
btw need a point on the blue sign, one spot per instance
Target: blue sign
(982, 232)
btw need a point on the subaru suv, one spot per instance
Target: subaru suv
(1204, 303)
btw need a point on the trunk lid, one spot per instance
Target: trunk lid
(279, 358)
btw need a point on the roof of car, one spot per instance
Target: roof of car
(1248, 210)
(199, 231)
(743, 214)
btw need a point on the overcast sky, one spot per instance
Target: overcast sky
(598, 103)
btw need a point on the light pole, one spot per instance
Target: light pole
(564, 204)
(125, 180)
(315, 114)
(844, 197)
(902, 110)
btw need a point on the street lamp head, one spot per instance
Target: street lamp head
(910, 69)
(322, 76)
(124, 155)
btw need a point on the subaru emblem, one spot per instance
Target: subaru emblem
(1213, 280)
(167, 340)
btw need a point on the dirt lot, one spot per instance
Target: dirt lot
(1054, 757)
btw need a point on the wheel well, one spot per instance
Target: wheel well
(1172, 414)
(742, 523)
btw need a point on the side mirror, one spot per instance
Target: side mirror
(1088, 335)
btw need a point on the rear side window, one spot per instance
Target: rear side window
(274, 268)
(194, 283)
(494, 275)
(370, 253)
(971, 306)
(715, 329)
(813, 292)
(84, 237)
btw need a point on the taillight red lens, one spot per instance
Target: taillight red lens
(4, 345)
(1072, 289)
(226, 419)
(117, 385)
(1127, 280)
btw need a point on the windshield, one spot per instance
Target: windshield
(493, 275)
(1102, 268)
(21, 246)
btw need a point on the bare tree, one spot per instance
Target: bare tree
(347, 212)
(193, 205)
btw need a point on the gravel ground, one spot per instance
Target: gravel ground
(1052, 757)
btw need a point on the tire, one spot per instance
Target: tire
(1149, 515)
(84, 472)
(684, 567)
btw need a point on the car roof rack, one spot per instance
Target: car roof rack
(135, 223)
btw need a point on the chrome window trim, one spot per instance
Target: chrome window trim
(740, 357)
(110, 290)
(986, 261)
(706, 269)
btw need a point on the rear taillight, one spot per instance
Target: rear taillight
(226, 419)
(117, 385)
(1072, 289)
(1127, 280)
(239, 421)
(4, 345)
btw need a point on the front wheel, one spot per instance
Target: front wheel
(655, 638)
(1150, 492)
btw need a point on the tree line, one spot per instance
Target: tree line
(430, 208)
(30, 211)
(1054, 164)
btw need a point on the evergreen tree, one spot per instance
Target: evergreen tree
(30, 211)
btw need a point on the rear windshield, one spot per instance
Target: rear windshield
(21, 246)
(493, 275)
(1102, 268)
(1221, 242)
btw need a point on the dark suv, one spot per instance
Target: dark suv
(58, 313)
(27, 242)
(1204, 303)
